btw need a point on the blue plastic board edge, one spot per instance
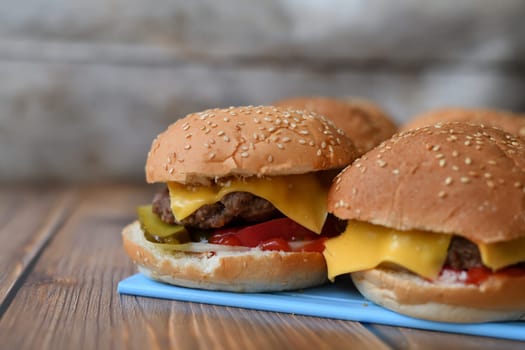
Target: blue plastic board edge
(339, 301)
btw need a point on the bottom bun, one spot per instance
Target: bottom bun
(224, 268)
(499, 298)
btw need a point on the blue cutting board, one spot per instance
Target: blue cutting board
(339, 300)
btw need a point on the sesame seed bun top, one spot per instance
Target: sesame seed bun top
(246, 141)
(362, 120)
(453, 178)
(507, 121)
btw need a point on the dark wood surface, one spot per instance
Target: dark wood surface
(61, 261)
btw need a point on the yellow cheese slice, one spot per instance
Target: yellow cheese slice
(302, 198)
(501, 254)
(364, 246)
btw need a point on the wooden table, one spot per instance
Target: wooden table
(61, 260)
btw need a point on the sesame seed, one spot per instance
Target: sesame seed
(213, 125)
(440, 155)
(226, 119)
(188, 136)
(187, 147)
(207, 131)
(171, 171)
(455, 168)
(491, 162)
(517, 184)
(468, 161)
(448, 180)
(304, 132)
(323, 145)
(442, 163)
(245, 147)
(206, 145)
(286, 139)
(436, 148)
(212, 141)
(464, 179)
(280, 146)
(487, 175)
(395, 171)
(271, 129)
(220, 133)
(455, 153)
(467, 143)
(490, 184)
(211, 155)
(311, 143)
(381, 163)
(244, 154)
(442, 194)
(270, 158)
(186, 127)
(319, 152)
(302, 141)
(226, 139)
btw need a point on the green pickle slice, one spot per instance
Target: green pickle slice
(160, 231)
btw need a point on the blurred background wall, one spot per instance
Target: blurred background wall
(85, 85)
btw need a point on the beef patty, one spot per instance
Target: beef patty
(463, 254)
(232, 208)
(246, 207)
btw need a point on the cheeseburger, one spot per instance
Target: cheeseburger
(436, 224)
(507, 121)
(244, 207)
(362, 120)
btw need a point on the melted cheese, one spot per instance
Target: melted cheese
(365, 246)
(302, 198)
(501, 254)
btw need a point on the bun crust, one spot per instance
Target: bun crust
(362, 120)
(498, 298)
(251, 270)
(453, 178)
(247, 141)
(507, 121)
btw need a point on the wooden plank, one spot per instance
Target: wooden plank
(406, 338)
(29, 217)
(482, 30)
(69, 299)
(96, 121)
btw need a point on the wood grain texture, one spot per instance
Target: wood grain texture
(68, 298)
(474, 31)
(406, 338)
(29, 216)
